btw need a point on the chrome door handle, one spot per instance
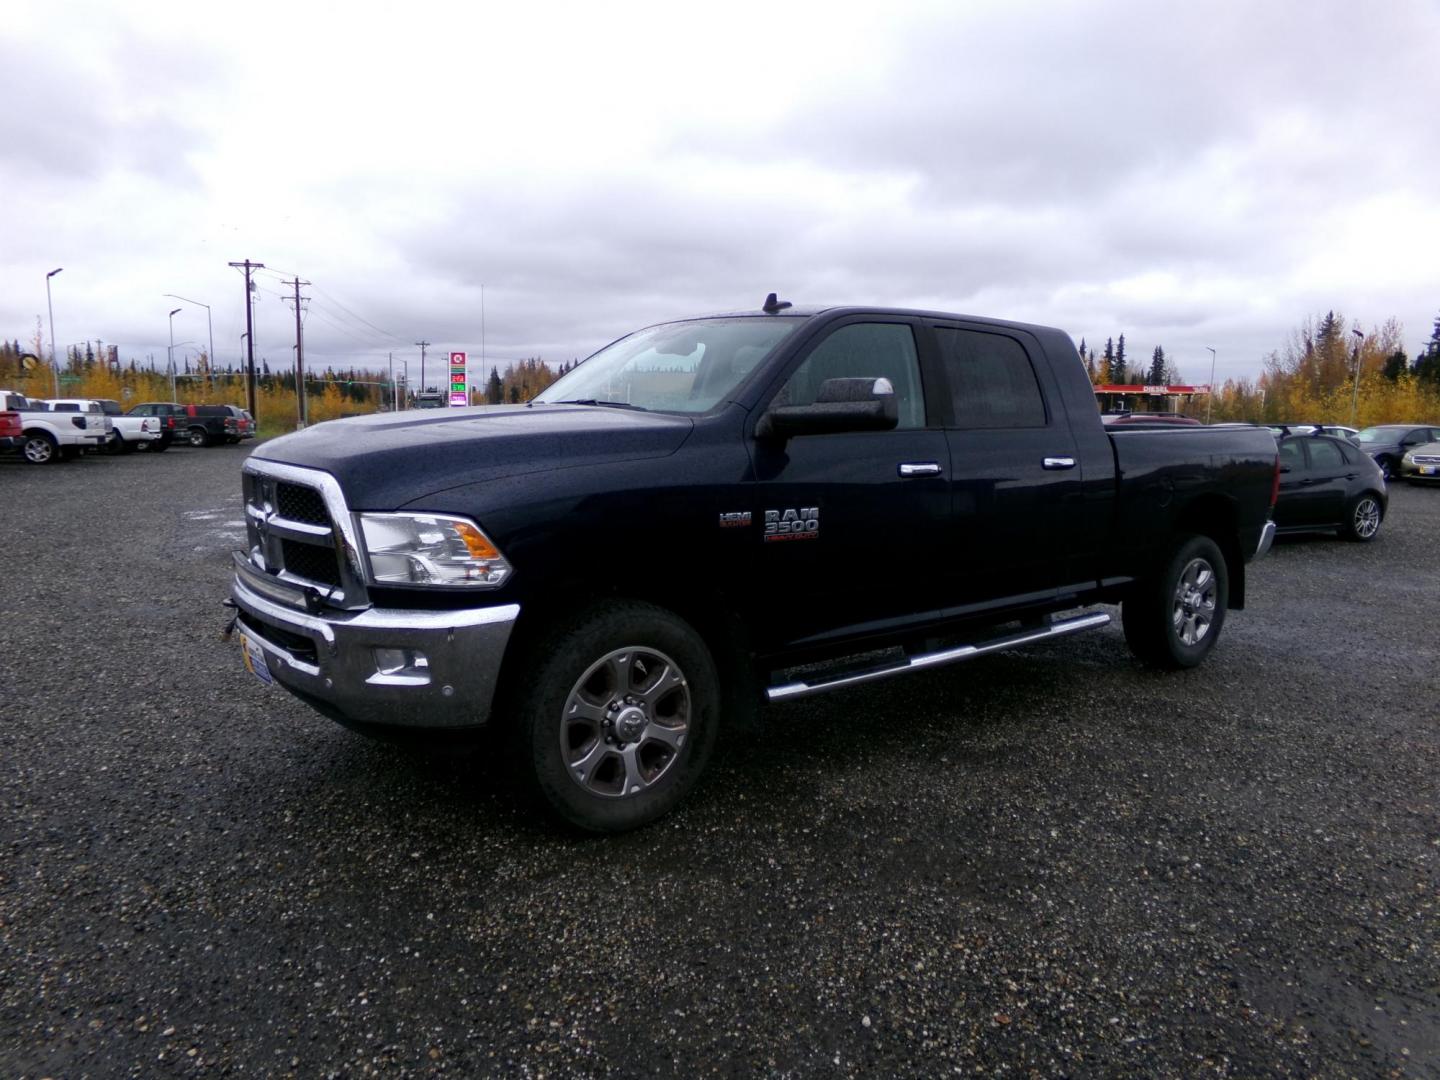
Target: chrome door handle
(1059, 463)
(919, 468)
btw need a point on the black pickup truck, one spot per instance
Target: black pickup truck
(715, 512)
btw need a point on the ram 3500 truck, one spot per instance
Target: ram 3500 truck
(706, 507)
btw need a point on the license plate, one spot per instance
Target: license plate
(255, 660)
(1427, 470)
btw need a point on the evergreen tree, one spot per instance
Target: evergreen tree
(1107, 363)
(494, 392)
(1397, 363)
(1157, 375)
(514, 394)
(1427, 364)
(1118, 371)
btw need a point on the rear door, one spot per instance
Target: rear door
(1329, 478)
(1015, 489)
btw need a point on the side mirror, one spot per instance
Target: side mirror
(865, 404)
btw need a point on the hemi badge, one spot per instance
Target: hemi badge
(735, 520)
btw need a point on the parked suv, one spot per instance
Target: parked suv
(244, 423)
(208, 424)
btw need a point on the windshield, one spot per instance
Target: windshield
(1381, 434)
(686, 367)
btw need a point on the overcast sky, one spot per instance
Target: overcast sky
(1187, 175)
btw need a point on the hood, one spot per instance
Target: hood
(388, 459)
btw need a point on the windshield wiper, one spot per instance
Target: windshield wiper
(596, 401)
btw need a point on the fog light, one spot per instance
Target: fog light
(400, 667)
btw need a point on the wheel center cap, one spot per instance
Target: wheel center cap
(630, 724)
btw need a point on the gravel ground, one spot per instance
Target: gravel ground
(1050, 862)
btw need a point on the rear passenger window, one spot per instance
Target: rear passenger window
(1325, 454)
(992, 384)
(1291, 456)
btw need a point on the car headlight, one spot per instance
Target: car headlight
(1409, 457)
(430, 549)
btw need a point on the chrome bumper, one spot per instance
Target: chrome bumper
(347, 663)
(1267, 537)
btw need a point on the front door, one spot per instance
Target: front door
(848, 526)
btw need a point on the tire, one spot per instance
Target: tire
(159, 446)
(199, 437)
(40, 448)
(1362, 518)
(1387, 467)
(1174, 615)
(613, 716)
(121, 446)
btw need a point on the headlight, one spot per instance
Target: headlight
(430, 549)
(1409, 457)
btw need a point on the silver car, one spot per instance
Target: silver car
(1421, 464)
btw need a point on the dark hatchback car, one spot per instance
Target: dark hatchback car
(1328, 483)
(1388, 443)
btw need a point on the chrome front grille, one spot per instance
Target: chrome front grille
(1426, 459)
(300, 531)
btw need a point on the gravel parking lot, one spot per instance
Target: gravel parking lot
(1050, 862)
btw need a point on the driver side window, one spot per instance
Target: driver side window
(863, 350)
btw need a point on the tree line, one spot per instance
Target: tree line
(1327, 371)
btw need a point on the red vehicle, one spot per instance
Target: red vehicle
(12, 431)
(1153, 419)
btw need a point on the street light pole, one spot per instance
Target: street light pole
(170, 354)
(49, 304)
(1355, 394)
(210, 359)
(1210, 397)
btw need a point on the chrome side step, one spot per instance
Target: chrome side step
(1062, 628)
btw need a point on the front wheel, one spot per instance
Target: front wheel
(1362, 518)
(615, 716)
(1387, 468)
(1174, 615)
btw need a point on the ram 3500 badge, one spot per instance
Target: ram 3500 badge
(555, 570)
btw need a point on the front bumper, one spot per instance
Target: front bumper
(343, 661)
(1411, 471)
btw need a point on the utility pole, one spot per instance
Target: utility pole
(422, 345)
(392, 382)
(250, 334)
(299, 349)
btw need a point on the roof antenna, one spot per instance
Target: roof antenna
(773, 304)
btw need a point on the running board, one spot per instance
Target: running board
(1063, 628)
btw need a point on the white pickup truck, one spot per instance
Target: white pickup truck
(56, 436)
(131, 432)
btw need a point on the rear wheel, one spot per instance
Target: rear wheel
(1362, 518)
(40, 449)
(615, 715)
(1174, 615)
(199, 437)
